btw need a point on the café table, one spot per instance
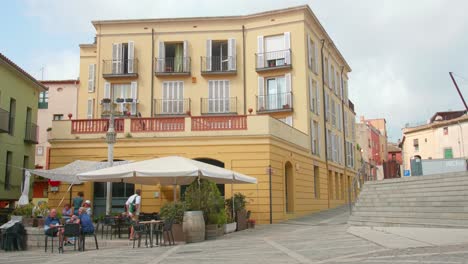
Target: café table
(151, 224)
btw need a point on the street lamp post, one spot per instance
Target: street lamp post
(110, 140)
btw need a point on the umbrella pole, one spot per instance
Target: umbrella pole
(174, 191)
(232, 197)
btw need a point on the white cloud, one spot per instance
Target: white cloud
(57, 65)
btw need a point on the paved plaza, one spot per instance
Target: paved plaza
(321, 238)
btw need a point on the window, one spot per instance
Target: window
(173, 97)
(345, 119)
(218, 96)
(332, 76)
(277, 96)
(125, 97)
(448, 153)
(312, 54)
(40, 150)
(314, 132)
(91, 78)
(276, 51)
(445, 131)
(122, 61)
(416, 144)
(327, 106)
(9, 159)
(314, 96)
(326, 72)
(43, 100)
(12, 117)
(316, 182)
(57, 117)
(333, 112)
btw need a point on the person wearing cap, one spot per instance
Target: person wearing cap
(87, 206)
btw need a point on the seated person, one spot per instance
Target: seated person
(85, 221)
(50, 225)
(67, 212)
(87, 206)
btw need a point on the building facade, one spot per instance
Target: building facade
(59, 102)
(443, 137)
(241, 92)
(19, 93)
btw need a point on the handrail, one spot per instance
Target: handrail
(353, 186)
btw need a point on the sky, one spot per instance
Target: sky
(400, 51)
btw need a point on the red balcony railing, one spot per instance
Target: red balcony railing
(158, 124)
(205, 123)
(93, 126)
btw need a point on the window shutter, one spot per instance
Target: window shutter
(90, 109)
(211, 98)
(91, 77)
(165, 97)
(131, 56)
(119, 58)
(232, 54)
(186, 57)
(161, 65)
(115, 55)
(312, 136)
(327, 110)
(316, 58)
(260, 54)
(317, 90)
(107, 90)
(309, 51)
(319, 139)
(226, 96)
(330, 74)
(311, 95)
(261, 92)
(287, 47)
(287, 79)
(209, 57)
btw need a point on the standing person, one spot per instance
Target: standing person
(77, 202)
(132, 206)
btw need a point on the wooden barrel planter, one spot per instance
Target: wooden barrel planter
(194, 226)
(213, 231)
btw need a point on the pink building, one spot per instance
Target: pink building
(59, 101)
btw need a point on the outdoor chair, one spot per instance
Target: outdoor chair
(138, 231)
(109, 222)
(125, 223)
(82, 241)
(52, 241)
(72, 230)
(165, 230)
(13, 238)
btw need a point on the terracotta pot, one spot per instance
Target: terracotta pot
(178, 231)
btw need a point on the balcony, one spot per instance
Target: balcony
(223, 106)
(275, 103)
(43, 105)
(94, 126)
(195, 128)
(172, 66)
(4, 121)
(120, 69)
(30, 135)
(119, 107)
(273, 60)
(171, 107)
(216, 65)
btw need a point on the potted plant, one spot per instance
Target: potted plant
(204, 196)
(251, 223)
(231, 224)
(175, 211)
(233, 212)
(286, 106)
(119, 100)
(105, 100)
(128, 100)
(40, 212)
(24, 213)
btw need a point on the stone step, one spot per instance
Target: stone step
(417, 209)
(417, 215)
(405, 221)
(427, 178)
(426, 186)
(447, 198)
(404, 224)
(374, 203)
(416, 194)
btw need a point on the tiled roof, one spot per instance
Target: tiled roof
(21, 71)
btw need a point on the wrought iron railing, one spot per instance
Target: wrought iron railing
(31, 134)
(4, 121)
(273, 59)
(113, 68)
(224, 105)
(177, 65)
(93, 126)
(206, 123)
(218, 64)
(172, 107)
(356, 184)
(275, 102)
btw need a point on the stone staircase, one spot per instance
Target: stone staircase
(424, 201)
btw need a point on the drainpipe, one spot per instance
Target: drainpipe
(152, 72)
(325, 121)
(243, 69)
(343, 126)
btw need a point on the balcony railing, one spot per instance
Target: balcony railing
(120, 68)
(273, 60)
(172, 106)
(4, 121)
(169, 124)
(218, 65)
(31, 134)
(43, 105)
(173, 66)
(226, 105)
(91, 126)
(121, 107)
(204, 123)
(274, 102)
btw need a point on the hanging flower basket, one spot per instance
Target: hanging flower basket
(128, 100)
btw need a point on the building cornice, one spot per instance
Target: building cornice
(436, 124)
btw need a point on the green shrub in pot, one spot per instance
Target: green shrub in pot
(173, 210)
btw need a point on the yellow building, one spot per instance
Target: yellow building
(243, 92)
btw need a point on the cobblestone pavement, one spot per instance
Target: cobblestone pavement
(320, 238)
